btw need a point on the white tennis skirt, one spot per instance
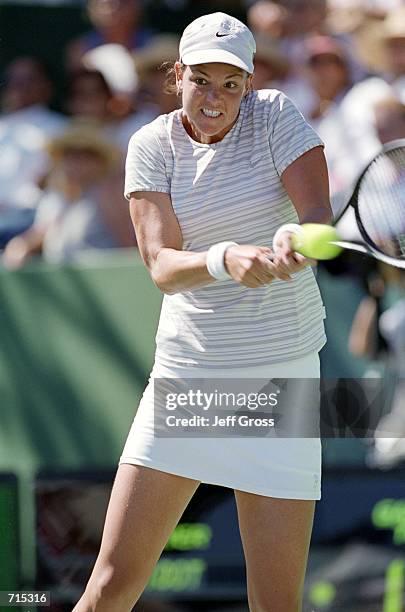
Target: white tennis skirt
(252, 459)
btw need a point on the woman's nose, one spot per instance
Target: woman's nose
(213, 94)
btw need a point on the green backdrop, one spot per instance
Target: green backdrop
(76, 345)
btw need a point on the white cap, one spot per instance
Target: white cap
(116, 65)
(218, 38)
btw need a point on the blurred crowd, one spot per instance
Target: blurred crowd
(342, 62)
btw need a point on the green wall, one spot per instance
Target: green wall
(76, 345)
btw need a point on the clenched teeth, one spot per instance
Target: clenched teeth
(210, 113)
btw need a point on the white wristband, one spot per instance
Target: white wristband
(294, 228)
(215, 260)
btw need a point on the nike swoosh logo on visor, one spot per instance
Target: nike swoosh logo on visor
(221, 35)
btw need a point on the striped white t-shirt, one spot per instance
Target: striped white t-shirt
(231, 190)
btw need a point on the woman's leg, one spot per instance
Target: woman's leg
(275, 535)
(144, 508)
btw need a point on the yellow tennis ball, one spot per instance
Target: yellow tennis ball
(314, 241)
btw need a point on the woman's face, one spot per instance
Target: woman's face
(89, 98)
(212, 94)
(329, 75)
(81, 166)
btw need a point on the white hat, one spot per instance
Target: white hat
(218, 38)
(115, 64)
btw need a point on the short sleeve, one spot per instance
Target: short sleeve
(290, 135)
(145, 168)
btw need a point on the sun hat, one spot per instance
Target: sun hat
(115, 64)
(218, 37)
(393, 26)
(268, 50)
(83, 135)
(159, 49)
(316, 46)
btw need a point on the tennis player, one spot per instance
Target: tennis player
(212, 187)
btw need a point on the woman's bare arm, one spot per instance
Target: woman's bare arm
(307, 184)
(160, 242)
(22, 247)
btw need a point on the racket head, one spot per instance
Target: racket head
(378, 201)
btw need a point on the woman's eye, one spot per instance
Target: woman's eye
(231, 85)
(200, 81)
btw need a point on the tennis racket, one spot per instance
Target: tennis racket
(378, 200)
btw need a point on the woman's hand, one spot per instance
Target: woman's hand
(253, 266)
(285, 258)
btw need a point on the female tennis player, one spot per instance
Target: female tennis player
(209, 186)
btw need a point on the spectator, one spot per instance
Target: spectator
(149, 63)
(114, 21)
(358, 105)
(274, 70)
(269, 18)
(378, 332)
(151, 99)
(291, 21)
(329, 70)
(271, 65)
(389, 117)
(363, 26)
(329, 73)
(394, 37)
(80, 210)
(26, 83)
(117, 67)
(371, 6)
(306, 17)
(389, 448)
(88, 96)
(25, 126)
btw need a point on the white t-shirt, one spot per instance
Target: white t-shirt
(23, 159)
(231, 190)
(71, 227)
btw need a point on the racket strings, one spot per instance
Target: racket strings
(381, 202)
